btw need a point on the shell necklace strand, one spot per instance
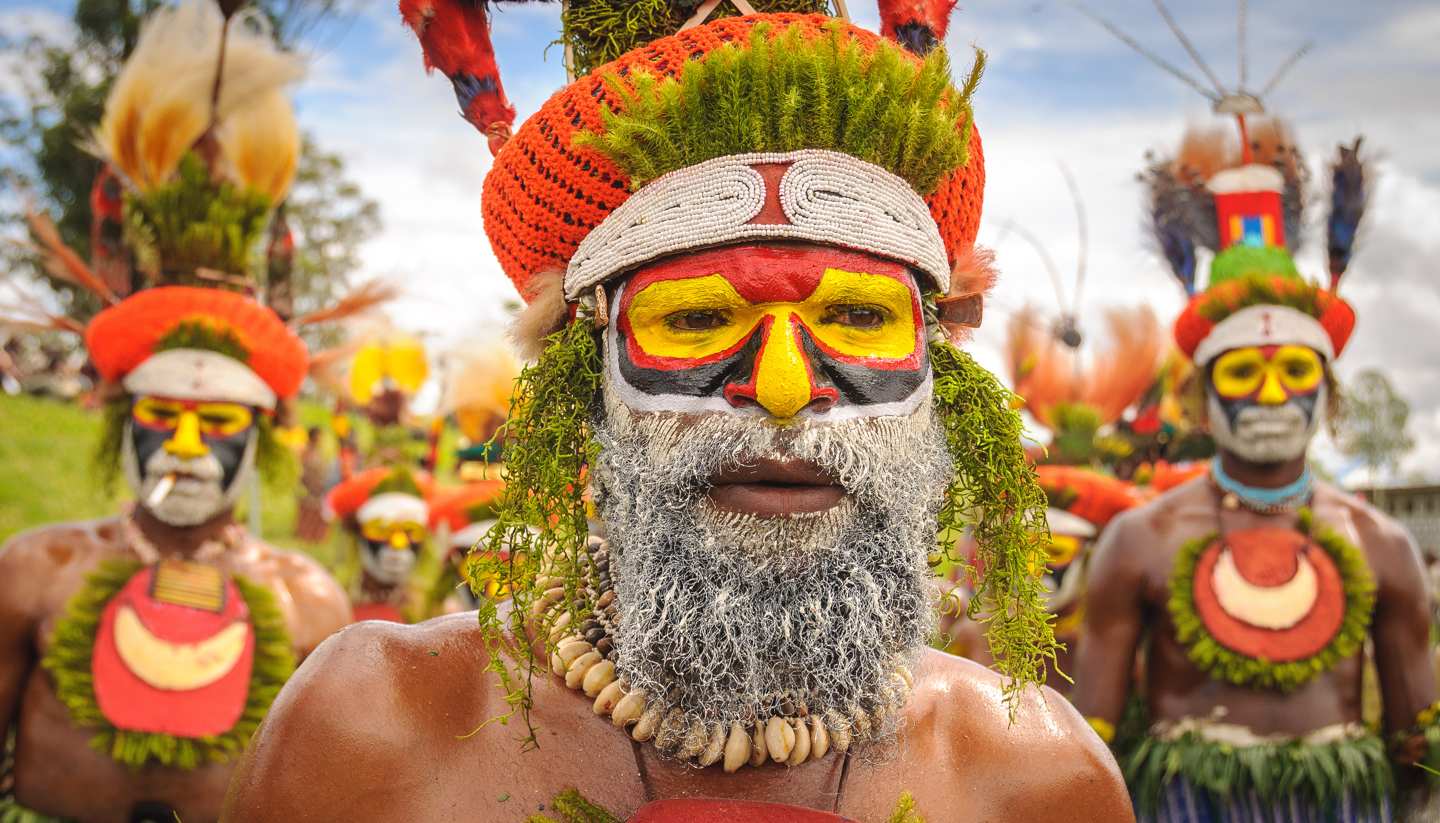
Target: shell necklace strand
(585, 658)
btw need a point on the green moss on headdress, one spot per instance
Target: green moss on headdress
(599, 31)
(788, 91)
(399, 481)
(193, 222)
(1240, 292)
(996, 496)
(69, 657)
(540, 528)
(207, 336)
(1243, 261)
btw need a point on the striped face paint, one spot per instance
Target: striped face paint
(781, 330)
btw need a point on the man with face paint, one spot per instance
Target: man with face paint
(745, 357)
(1257, 589)
(387, 511)
(138, 653)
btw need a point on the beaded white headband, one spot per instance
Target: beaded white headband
(829, 197)
(1264, 325)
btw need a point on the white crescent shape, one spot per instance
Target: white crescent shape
(177, 667)
(1266, 607)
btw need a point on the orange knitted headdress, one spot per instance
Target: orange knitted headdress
(576, 162)
(195, 343)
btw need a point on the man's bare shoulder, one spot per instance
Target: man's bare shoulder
(60, 544)
(318, 597)
(43, 564)
(1001, 751)
(379, 698)
(1194, 495)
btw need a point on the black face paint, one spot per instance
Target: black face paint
(1233, 406)
(229, 451)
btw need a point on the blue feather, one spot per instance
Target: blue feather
(1347, 207)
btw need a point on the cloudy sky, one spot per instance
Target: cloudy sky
(1059, 89)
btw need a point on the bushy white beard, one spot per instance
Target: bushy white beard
(1265, 434)
(193, 500)
(724, 616)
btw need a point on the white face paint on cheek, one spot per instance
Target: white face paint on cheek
(389, 566)
(198, 495)
(1265, 434)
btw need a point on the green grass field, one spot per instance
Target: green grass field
(47, 475)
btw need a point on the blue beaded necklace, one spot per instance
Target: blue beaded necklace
(1289, 496)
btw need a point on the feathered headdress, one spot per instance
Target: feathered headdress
(1047, 374)
(478, 385)
(919, 25)
(1243, 199)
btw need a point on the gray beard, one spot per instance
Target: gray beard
(1265, 434)
(726, 617)
(193, 500)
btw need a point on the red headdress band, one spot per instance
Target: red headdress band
(125, 335)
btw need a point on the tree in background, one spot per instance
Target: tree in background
(1372, 424)
(44, 131)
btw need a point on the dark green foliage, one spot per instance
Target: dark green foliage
(12, 812)
(194, 222)
(996, 496)
(541, 526)
(599, 31)
(401, 481)
(1276, 772)
(1211, 656)
(68, 661)
(1260, 289)
(198, 334)
(784, 92)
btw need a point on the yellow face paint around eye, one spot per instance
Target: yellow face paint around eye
(1062, 549)
(224, 419)
(1300, 369)
(1272, 380)
(399, 535)
(1239, 373)
(652, 311)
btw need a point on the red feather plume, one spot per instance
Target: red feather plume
(918, 25)
(455, 37)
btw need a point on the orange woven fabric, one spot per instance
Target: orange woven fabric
(1098, 497)
(452, 506)
(1191, 328)
(543, 195)
(348, 496)
(125, 335)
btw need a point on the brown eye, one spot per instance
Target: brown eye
(857, 317)
(705, 320)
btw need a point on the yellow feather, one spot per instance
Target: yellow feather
(261, 146)
(161, 102)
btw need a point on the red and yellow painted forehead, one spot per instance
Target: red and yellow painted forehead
(782, 327)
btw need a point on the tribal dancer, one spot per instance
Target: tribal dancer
(1254, 592)
(140, 652)
(743, 248)
(387, 510)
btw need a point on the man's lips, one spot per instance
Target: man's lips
(775, 488)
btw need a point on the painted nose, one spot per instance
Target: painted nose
(781, 382)
(1271, 392)
(185, 443)
(399, 541)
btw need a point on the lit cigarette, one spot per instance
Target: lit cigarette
(161, 491)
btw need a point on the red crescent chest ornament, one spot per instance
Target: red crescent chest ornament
(174, 651)
(1269, 593)
(1271, 607)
